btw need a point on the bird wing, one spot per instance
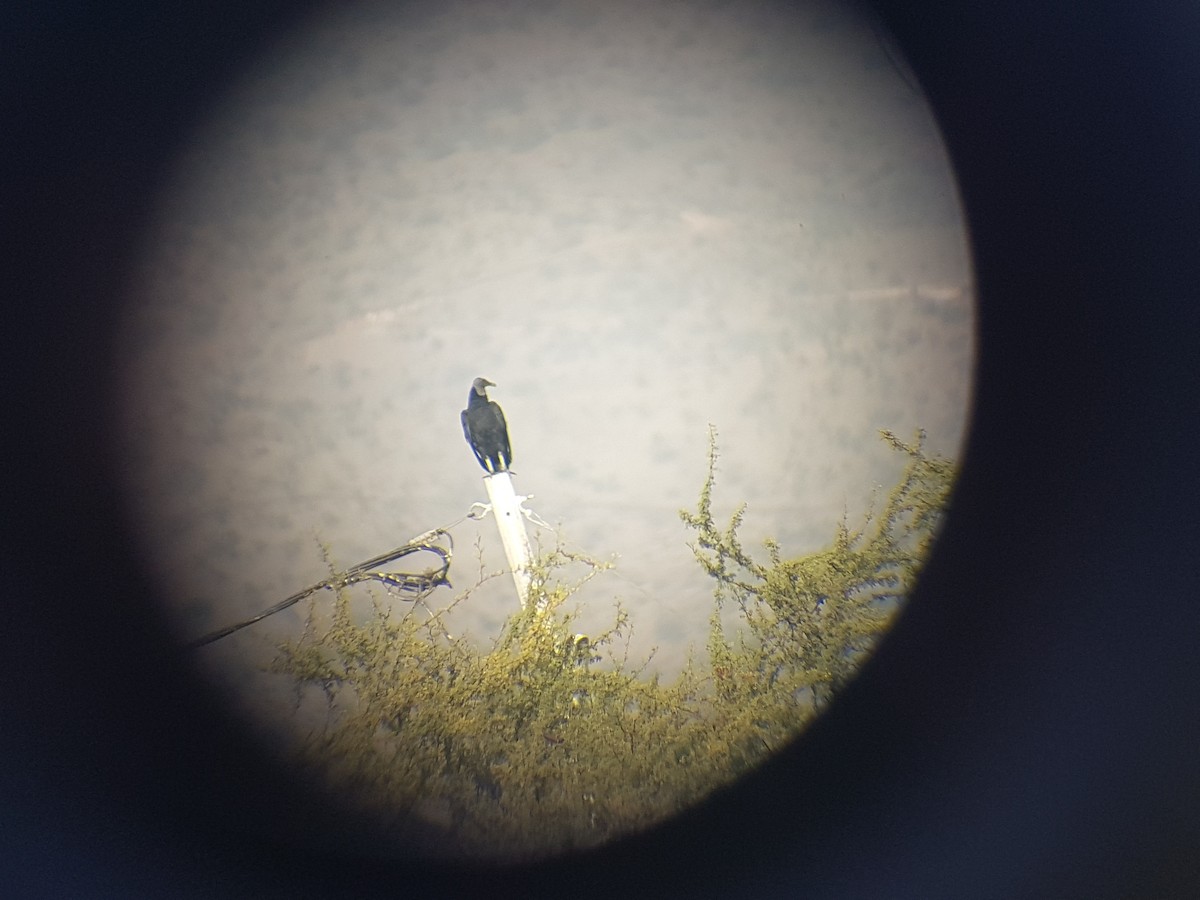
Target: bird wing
(506, 446)
(466, 424)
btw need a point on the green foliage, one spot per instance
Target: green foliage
(551, 741)
(810, 620)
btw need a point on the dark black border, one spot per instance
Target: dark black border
(1031, 727)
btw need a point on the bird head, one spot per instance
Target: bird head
(480, 386)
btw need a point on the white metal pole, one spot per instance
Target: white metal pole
(506, 507)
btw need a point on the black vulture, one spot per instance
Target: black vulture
(485, 429)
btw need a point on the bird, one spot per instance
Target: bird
(485, 429)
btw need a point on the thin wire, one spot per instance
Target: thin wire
(420, 585)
